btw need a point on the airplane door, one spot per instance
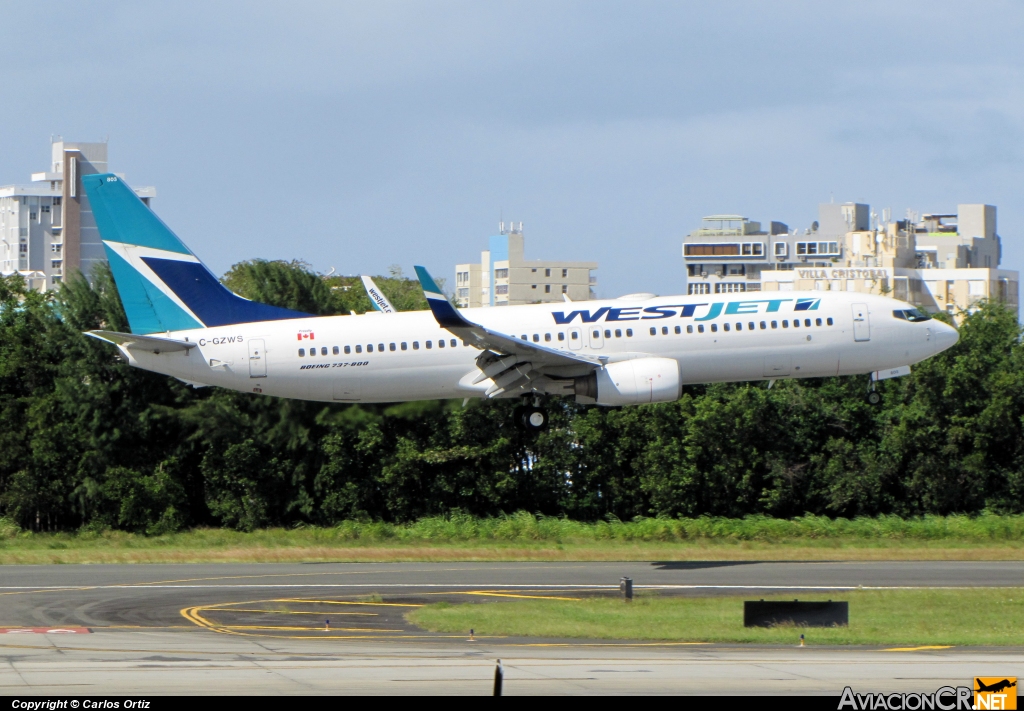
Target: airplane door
(575, 339)
(861, 324)
(257, 358)
(596, 339)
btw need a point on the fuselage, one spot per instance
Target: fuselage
(405, 356)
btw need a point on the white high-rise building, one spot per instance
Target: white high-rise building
(47, 230)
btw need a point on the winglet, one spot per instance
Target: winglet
(442, 309)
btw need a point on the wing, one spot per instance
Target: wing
(516, 366)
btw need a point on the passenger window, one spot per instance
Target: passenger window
(689, 329)
(380, 347)
(775, 324)
(575, 335)
(440, 343)
(524, 337)
(597, 334)
(654, 331)
(561, 336)
(817, 322)
(629, 333)
(336, 350)
(763, 325)
(607, 333)
(312, 351)
(807, 322)
(796, 323)
(323, 351)
(547, 337)
(700, 328)
(664, 330)
(453, 343)
(415, 345)
(391, 347)
(829, 321)
(405, 346)
(359, 349)
(785, 323)
(739, 327)
(302, 353)
(369, 348)
(726, 326)
(430, 344)
(678, 330)
(536, 338)
(750, 326)
(714, 328)
(348, 349)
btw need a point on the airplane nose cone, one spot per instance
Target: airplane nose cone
(945, 336)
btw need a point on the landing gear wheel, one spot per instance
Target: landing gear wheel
(535, 419)
(874, 398)
(519, 415)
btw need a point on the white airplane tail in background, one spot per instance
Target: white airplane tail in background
(377, 298)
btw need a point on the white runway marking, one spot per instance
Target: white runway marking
(504, 586)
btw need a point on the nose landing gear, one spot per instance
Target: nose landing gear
(873, 397)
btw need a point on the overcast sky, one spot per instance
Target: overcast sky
(358, 135)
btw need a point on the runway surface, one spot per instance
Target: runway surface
(237, 628)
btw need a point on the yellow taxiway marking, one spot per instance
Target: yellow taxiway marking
(305, 629)
(298, 612)
(918, 649)
(486, 593)
(195, 615)
(338, 602)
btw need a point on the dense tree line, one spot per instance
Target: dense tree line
(87, 441)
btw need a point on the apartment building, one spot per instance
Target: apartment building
(939, 262)
(47, 230)
(504, 277)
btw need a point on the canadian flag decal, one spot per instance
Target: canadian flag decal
(307, 335)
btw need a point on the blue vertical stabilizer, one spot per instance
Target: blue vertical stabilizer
(163, 286)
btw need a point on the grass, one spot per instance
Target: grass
(523, 536)
(899, 618)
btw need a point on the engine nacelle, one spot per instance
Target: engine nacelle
(631, 382)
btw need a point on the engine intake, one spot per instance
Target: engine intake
(631, 382)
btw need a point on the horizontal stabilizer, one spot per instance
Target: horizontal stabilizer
(135, 342)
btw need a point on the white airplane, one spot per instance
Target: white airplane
(636, 349)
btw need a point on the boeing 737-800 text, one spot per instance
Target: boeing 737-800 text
(628, 351)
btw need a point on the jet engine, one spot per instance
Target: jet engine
(630, 382)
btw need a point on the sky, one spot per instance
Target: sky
(355, 136)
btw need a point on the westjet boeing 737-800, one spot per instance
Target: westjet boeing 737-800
(628, 351)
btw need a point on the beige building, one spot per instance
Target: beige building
(944, 262)
(503, 277)
(941, 262)
(47, 230)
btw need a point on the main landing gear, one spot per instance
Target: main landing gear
(531, 418)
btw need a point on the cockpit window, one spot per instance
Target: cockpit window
(911, 314)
